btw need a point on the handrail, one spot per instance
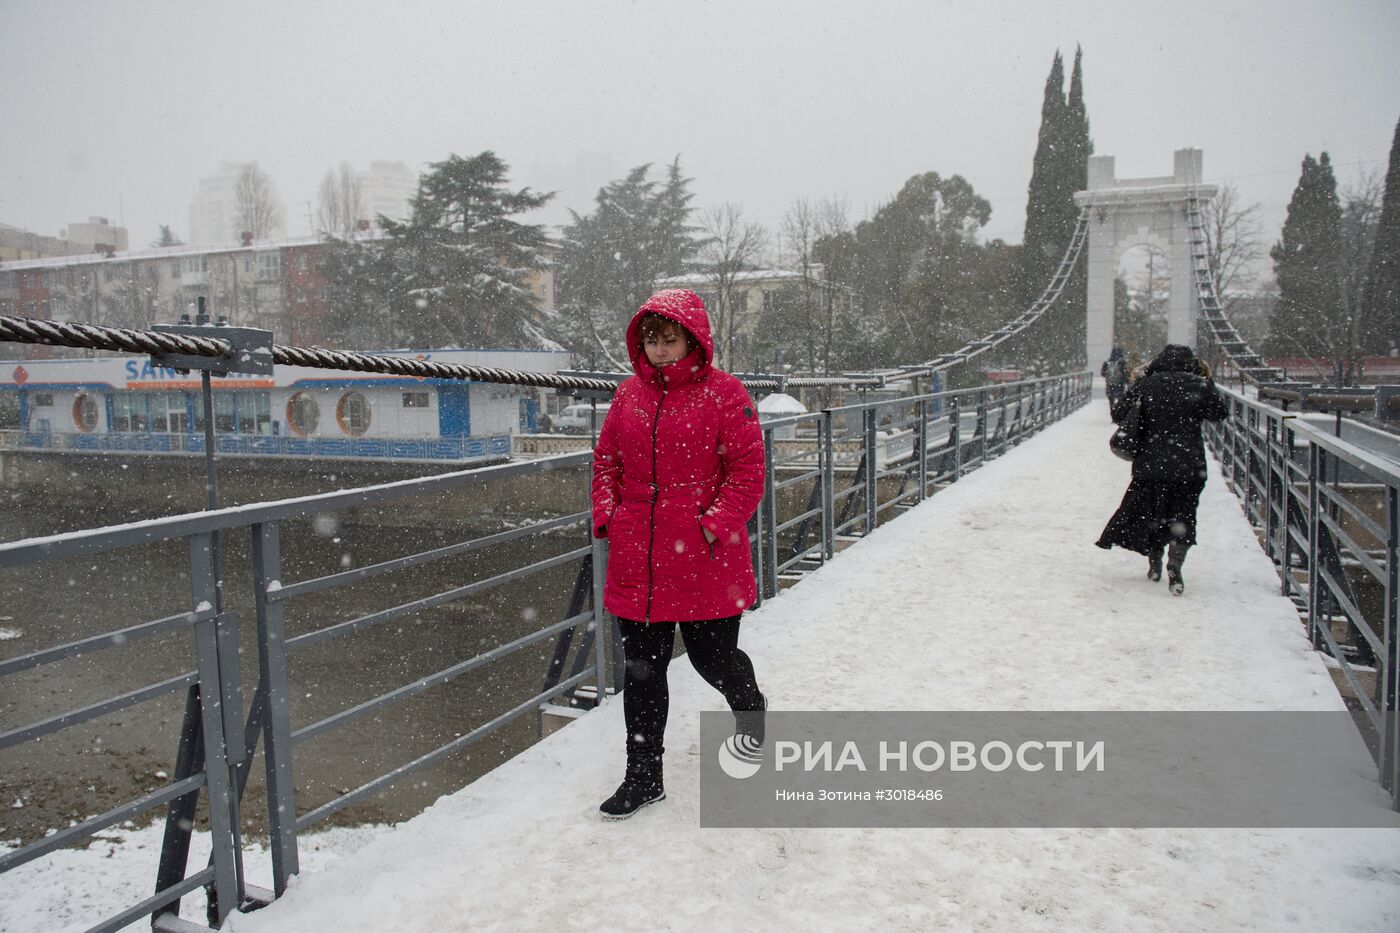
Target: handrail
(931, 447)
(1289, 476)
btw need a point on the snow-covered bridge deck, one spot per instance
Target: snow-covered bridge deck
(989, 597)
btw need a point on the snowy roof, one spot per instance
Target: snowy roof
(167, 252)
(780, 404)
(704, 278)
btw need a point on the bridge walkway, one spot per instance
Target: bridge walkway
(989, 597)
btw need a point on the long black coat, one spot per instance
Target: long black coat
(1169, 470)
(1174, 403)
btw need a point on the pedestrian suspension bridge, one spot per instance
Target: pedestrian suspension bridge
(932, 550)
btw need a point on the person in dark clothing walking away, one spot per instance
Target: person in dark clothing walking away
(1115, 375)
(677, 473)
(1175, 395)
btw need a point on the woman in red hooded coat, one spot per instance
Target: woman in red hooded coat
(677, 473)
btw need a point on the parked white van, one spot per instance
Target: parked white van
(578, 419)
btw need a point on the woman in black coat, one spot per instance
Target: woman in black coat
(1158, 511)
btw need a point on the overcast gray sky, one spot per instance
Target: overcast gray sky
(117, 108)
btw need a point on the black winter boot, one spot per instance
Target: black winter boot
(641, 786)
(1176, 555)
(1154, 565)
(750, 722)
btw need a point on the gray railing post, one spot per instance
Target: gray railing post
(1390, 744)
(1001, 421)
(1286, 521)
(277, 723)
(770, 516)
(955, 435)
(871, 469)
(1271, 488)
(921, 439)
(227, 857)
(1315, 463)
(827, 459)
(601, 625)
(982, 426)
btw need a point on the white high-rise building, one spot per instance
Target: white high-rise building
(214, 211)
(387, 188)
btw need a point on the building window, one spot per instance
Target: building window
(85, 413)
(121, 412)
(9, 411)
(303, 414)
(223, 413)
(43, 399)
(269, 265)
(168, 413)
(415, 400)
(352, 414)
(254, 413)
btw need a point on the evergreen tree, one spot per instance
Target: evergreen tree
(1059, 170)
(461, 265)
(359, 285)
(1308, 320)
(1043, 203)
(677, 239)
(914, 269)
(167, 238)
(1067, 319)
(1381, 297)
(611, 258)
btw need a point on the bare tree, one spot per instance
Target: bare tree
(339, 202)
(833, 221)
(799, 228)
(255, 207)
(732, 247)
(1233, 240)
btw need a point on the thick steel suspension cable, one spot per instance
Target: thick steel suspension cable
(1037, 310)
(1233, 347)
(99, 337)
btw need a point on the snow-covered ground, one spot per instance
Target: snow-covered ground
(990, 597)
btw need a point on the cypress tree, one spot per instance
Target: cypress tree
(1307, 319)
(1037, 245)
(1060, 169)
(1381, 299)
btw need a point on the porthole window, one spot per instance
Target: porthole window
(303, 414)
(85, 413)
(352, 414)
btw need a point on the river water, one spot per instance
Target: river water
(89, 768)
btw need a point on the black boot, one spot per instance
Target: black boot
(1176, 555)
(1154, 565)
(750, 722)
(641, 786)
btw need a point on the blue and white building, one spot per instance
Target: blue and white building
(129, 404)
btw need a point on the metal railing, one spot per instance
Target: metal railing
(1326, 511)
(220, 736)
(908, 447)
(263, 445)
(901, 449)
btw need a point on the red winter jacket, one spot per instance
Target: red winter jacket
(680, 449)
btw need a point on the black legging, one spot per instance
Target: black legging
(713, 648)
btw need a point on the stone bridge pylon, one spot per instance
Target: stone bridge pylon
(1129, 212)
